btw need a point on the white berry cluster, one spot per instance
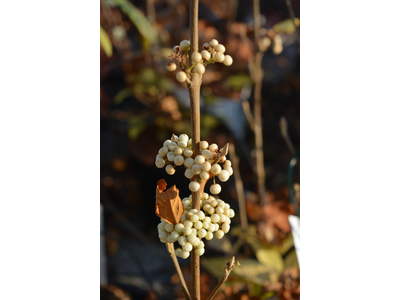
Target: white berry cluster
(212, 52)
(174, 154)
(213, 219)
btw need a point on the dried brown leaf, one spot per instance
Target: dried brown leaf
(169, 206)
(222, 152)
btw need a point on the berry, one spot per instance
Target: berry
(201, 215)
(198, 225)
(164, 150)
(199, 68)
(172, 146)
(225, 228)
(174, 235)
(162, 234)
(196, 56)
(206, 55)
(196, 169)
(223, 175)
(219, 210)
(178, 160)
(188, 152)
(194, 219)
(171, 67)
(209, 235)
(213, 147)
(193, 211)
(219, 234)
(211, 210)
(206, 225)
(222, 218)
(231, 213)
(230, 170)
(199, 159)
(215, 218)
(185, 254)
(194, 186)
(181, 76)
(214, 203)
(187, 231)
(176, 49)
(216, 169)
(182, 144)
(203, 175)
(215, 189)
(183, 137)
(188, 224)
(179, 227)
(178, 151)
(170, 156)
(206, 46)
(187, 247)
(219, 57)
(207, 154)
(220, 48)
(202, 232)
(203, 144)
(185, 45)
(191, 238)
(227, 164)
(160, 163)
(189, 174)
(166, 143)
(178, 252)
(170, 170)
(227, 60)
(213, 43)
(189, 162)
(169, 227)
(200, 251)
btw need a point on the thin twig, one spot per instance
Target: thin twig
(283, 125)
(194, 94)
(293, 17)
(248, 114)
(230, 265)
(170, 248)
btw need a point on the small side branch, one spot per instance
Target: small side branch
(230, 265)
(170, 248)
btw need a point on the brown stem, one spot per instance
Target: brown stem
(170, 248)
(194, 94)
(228, 268)
(258, 76)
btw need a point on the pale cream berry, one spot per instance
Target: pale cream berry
(170, 156)
(202, 232)
(227, 206)
(206, 166)
(160, 163)
(164, 150)
(183, 217)
(214, 203)
(227, 60)
(187, 247)
(219, 234)
(196, 56)
(187, 231)
(194, 218)
(172, 146)
(213, 43)
(204, 175)
(215, 218)
(191, 238)
(201, 215)
(178, 151)
(231, 213)
(206, 225)
(219, 210)
(194, 231)
(182, 144)
(183, 137)
(219, 57)
(194, 186)
(209, 235)
(162, 234)
(207, 220)
(210, 210)
(189, 174)
(206, 46)
(213, 147)
(225, 227)
(212, 227)
(178, 252)
(207, 154)
(176, 49)
(199, 68)
(179, 227)
(200, 251)
(215, 189)
(171, 66)
(188, 224)
(193, 211)
(174, 235)
(204, 145)
(189, 143)
(196, 169)
(230, 170)
(181, 76)
(185, 45)
(206, 207)
(178, 160)
(216, 169)
(206, 55)
(170, 239)
(199, 159)
(222, 218)
(189, 162)
(223, 159)
(198, 225)
(227, 163)
(220, 48)
(223, 175)
(169, 227)
(188, 152)
(185, 254)
(166, 143)
(170, 170)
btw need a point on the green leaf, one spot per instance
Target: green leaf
(105, 42)
(271, 258)
(236, 82)
(286, 26)
(122, 94)
(137, 18)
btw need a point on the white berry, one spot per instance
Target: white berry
(196, 56)
(213, 43)
(170, 170)
(203, 175)
(230, 170)
(169, 227)
(209, 235)
(206, 55)
(162, 234)
(194, 186)
(189, 162)
(206, 46)
(160, 163)
(166, 143)
(207, 154)
(216, 169)
(179, 227)
(223, 175)
(200, 251)
(199, 159)
(178, 160)
(176, 49)
(203, 144)
(194, 219)
(213, 147)
(219, 57)
(182, 144)
(170, 156)
(185, 45)
(178, 252)
(181, 76)
(228, 60)
(225, 227)
(199, 68)
(183, 137)
(189, 174)
(187, 231)
(171, 66)
(187, 247)
(196, 169)
(164, 150)
(185, 254)
(219, 234)
(198, 225)
(178, 151)
(220, 48)
(202, 232)
(188, 152)
(215, 189)
(215, 218)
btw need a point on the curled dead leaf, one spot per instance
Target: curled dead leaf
(169, 206)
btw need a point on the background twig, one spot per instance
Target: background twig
(228, 268)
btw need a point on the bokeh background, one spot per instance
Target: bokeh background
(142, 104)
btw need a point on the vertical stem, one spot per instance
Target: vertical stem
(194, 93)
(258, 76)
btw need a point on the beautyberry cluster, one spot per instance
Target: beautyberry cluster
(205, 165)
(212, 52)
(213, 219)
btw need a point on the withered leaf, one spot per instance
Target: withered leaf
(169, 206)
(223, 152)
(174, 138)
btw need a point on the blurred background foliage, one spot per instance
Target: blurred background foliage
(141, 105)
